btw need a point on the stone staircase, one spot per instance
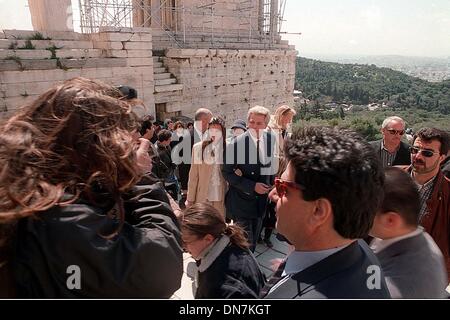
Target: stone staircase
(166, 87)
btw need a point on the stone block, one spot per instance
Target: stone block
(137, 45)
(139, 36)
(107, 45)
(10, 65)
(66, 44)
(25, 54)
(78, 53)
(97, 73)
(131, 62)
(139, 53)
(93, 63)
(18, 34)
(116, 53)
(112, 36)
(170, 87)
(66, 35)
(15, 103)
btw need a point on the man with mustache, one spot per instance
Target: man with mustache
(430, 147)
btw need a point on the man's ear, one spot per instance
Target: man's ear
(390, 219)
(322, 213)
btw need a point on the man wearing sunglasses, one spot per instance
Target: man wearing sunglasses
(430, 148)
(326, 199)
(391, 149)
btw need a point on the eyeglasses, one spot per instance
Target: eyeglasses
(393, 132)
(425, 153)
(281, 186)
(190, 241)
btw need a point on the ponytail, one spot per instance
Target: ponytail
(236, 235)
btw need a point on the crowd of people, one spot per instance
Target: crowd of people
(86, 184)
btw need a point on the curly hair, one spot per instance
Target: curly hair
(71, 142)
(339, 165)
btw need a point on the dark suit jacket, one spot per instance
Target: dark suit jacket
(241, 199)
(403, 156)
(414, 268)
(343, 275)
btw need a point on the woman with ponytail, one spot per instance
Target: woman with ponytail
(226, 267)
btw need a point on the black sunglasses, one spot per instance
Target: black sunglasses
(392, 131)
(425, 153)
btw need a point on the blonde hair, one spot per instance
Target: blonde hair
(280, 112)
(261, 111)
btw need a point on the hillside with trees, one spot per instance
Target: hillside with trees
(341, 94)
(364, 84)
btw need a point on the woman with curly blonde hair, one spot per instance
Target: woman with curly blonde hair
(69, 195)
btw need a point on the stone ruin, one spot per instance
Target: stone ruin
(225, 55)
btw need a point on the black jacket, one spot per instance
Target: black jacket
(403, 156)
(143, 261)
(241, 200)
(163, 167)
(234, 274)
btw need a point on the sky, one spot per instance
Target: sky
(337, 27)
(369, 27)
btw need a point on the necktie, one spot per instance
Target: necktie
(273, 280)
(258, 160)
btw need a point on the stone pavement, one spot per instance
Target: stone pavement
(263, 254)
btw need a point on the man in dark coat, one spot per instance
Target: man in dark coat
(326, 199)
(249, 172)
(391, 150)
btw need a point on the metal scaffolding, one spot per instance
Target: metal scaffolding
(256, 20)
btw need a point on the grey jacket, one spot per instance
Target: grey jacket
(414, 268)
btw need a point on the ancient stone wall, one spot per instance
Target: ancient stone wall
(229, 82)
(28, 68)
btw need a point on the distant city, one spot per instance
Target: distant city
(427, 68)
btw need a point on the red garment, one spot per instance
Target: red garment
(437, 221)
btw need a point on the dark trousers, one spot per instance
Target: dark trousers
(252, 227)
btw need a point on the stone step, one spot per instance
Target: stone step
(78, 53)
(161, 76)
(44, 44)
(156, 59)
(21, 65)
(169, 87)
(162, 82)
(159, 70)
(157, 64)
(54, 35)
(25, 54)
